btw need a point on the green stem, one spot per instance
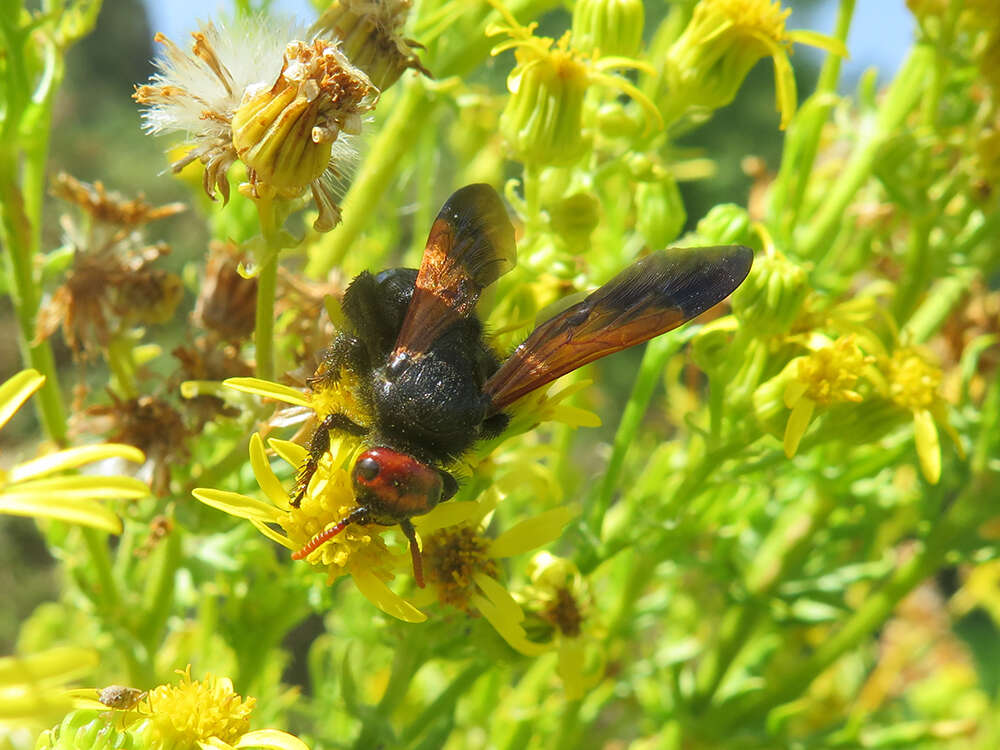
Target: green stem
(871, 615)
(902, 97)
(408, 658)
(159, 597)
(107, 590)
(802, 146)
(443, 704)
(266, 287)
(784, 549)
(658, 351)
(121, 360)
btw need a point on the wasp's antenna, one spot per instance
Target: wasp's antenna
(358, 515)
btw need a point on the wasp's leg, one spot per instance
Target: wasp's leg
(319, 443)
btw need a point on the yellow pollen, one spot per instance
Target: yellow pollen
(195, 711)
(830, 373)
(760, 16)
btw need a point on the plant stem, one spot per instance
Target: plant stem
(801, 147)
(902, 97)
(107, 590)
(266, 285)
(658, 351)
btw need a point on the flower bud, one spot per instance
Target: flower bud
(85, 729)
(659, 211)
(543, 119)
(369, 34)
(769, 301)
(725, 224)
(608, 27)
(575, 217)
(712, 345)
(285, 134)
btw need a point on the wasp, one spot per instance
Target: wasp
(432, 383)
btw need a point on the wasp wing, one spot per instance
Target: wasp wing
(471, 244)
(652, 296)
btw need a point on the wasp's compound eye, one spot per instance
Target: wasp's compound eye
(367, 468)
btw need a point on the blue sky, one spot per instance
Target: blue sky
(880, 34)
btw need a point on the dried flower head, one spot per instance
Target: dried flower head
(285, 106)
(150, 424)
(226, 300)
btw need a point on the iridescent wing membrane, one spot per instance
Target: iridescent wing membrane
(652, 296)
(471, 244)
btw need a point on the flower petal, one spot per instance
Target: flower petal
(532, 532)
(384, 598)
(72, 458)
(816, 39)
(510, 631)
(928, 445)
(289, 452)
(273, 535)
(265, 475)
(798, 423)
(84, 486)
(499, 597)
(64, 662)
(238, 505)
(73, 510)
(273, 738)
(447, 514)
(16, 390)
(268, 389)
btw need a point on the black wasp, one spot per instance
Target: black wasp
(432, 384)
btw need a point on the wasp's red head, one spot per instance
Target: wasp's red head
(394, 485)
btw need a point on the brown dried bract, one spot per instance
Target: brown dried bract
(149, 423)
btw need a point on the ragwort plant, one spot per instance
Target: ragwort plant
(789, 537)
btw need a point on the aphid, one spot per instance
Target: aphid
(432, 384)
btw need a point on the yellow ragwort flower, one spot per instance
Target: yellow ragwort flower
(38, 488)
(826, 376)
(724, 39)
(913, 383)
(461, 568)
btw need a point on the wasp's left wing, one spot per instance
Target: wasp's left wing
(652, 296)
(471, 244)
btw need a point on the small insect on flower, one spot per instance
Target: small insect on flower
(430, 384)
(120, 697)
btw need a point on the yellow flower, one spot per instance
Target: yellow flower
(913, 382)
(29, 489)
(31, 686)
(203, 714)
(358, 551)
(559, 595)
(826, 376)
(543, 119)
(724, 39)
(461, 567)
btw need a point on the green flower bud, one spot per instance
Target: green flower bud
(769, 301)
(660, 214)
(86, 729)
(726, 224)
(543, 119)
(575, 217)
(712, 345)
(609, 27)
